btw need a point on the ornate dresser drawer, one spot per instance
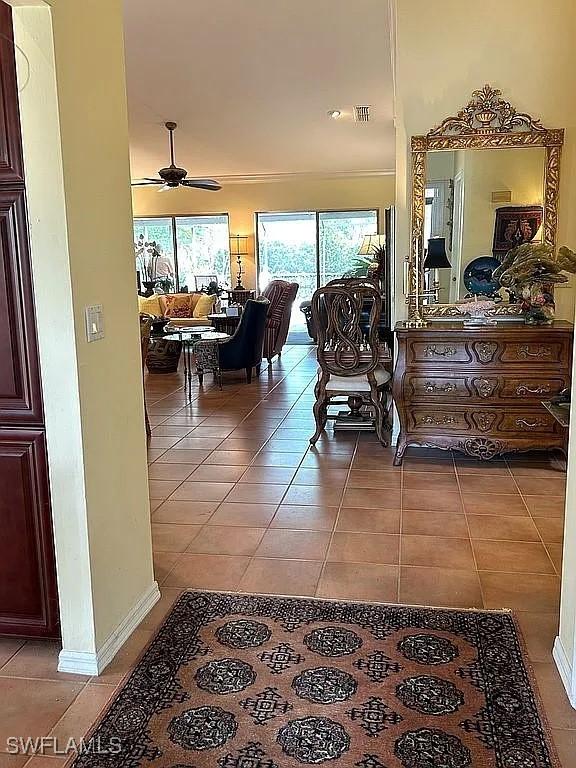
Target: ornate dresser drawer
(480, 389)
(488, 353)
(437, 386)
(461, 419)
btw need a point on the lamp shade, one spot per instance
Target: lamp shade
(371, 243)
(239, 245)
(436, 257)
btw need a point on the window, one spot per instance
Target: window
(437, 210)
(203, 248)
(190, 247)
(157, 231)
(310, 247)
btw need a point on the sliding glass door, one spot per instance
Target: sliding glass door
(340, 234)
(287, 250)
(310, 247)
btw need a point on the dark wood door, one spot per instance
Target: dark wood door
(28, 602)
(20, 395)
(28, 593)
(11, 163)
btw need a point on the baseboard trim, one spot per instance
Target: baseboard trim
(85, 663)
(565, 670)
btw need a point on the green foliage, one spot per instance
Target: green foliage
(339, 238)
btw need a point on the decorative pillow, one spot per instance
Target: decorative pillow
(204, 305)
(150, 305)
(194, 300)
(178, 305)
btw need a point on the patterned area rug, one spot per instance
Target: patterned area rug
(246, 681)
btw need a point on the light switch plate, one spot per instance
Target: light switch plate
(94, 322)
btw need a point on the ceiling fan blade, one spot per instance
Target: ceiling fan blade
(146, 182)
(209, 184)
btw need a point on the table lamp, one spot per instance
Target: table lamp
(436, 257)
(371, 245)
(239, 248)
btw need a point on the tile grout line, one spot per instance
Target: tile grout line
(337, 518)
(469, 532)
(555, 571)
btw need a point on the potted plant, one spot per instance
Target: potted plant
(147, 256)
(371, 265)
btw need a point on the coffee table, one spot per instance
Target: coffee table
(201, 343)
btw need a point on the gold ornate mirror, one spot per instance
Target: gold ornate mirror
(476, 207)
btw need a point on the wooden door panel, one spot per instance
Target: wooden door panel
(11, 165)
(28, 591)
(20, 395)
(27, 572)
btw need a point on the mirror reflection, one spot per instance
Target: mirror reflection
(479, 205)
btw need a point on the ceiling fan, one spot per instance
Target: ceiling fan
(173, 177)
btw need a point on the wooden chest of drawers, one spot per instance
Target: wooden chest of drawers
(479, 390)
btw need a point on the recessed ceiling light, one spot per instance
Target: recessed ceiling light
(334, 114)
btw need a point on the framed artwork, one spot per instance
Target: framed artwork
(515, 225)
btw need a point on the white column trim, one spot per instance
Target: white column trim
(83, 663)
(566, 670)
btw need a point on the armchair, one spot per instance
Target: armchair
(281, 295)
(244, 348)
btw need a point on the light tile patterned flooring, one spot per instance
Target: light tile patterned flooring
(240, 502)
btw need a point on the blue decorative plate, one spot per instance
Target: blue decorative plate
(478, 276)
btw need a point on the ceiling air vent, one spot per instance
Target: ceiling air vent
(362, 114)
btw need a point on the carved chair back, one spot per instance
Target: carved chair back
(346, 345)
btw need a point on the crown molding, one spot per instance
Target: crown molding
(270, 178)
(267, 178)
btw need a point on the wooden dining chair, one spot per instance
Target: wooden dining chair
(349, 349)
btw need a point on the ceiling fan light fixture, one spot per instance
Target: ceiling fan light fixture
(172, 176)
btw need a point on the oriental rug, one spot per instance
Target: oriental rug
(250, 681)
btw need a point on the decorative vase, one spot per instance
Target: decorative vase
(538, 303)
(149, 287)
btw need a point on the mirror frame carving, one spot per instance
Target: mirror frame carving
(486, 122)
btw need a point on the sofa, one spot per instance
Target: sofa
(189, 309)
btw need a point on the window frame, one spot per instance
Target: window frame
(173, 219)
(316, 212)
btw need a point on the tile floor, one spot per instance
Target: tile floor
(240, 502)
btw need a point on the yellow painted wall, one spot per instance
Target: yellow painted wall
(242, 200)
(534, 65)
(76, 139)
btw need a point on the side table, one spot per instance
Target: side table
(224, 323)
(202, 345)
(240, 296)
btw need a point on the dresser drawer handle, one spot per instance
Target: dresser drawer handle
(523, 424)
(541, 351)
(431, 387)
(438, 421)
(435, 351)
(523, 389)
